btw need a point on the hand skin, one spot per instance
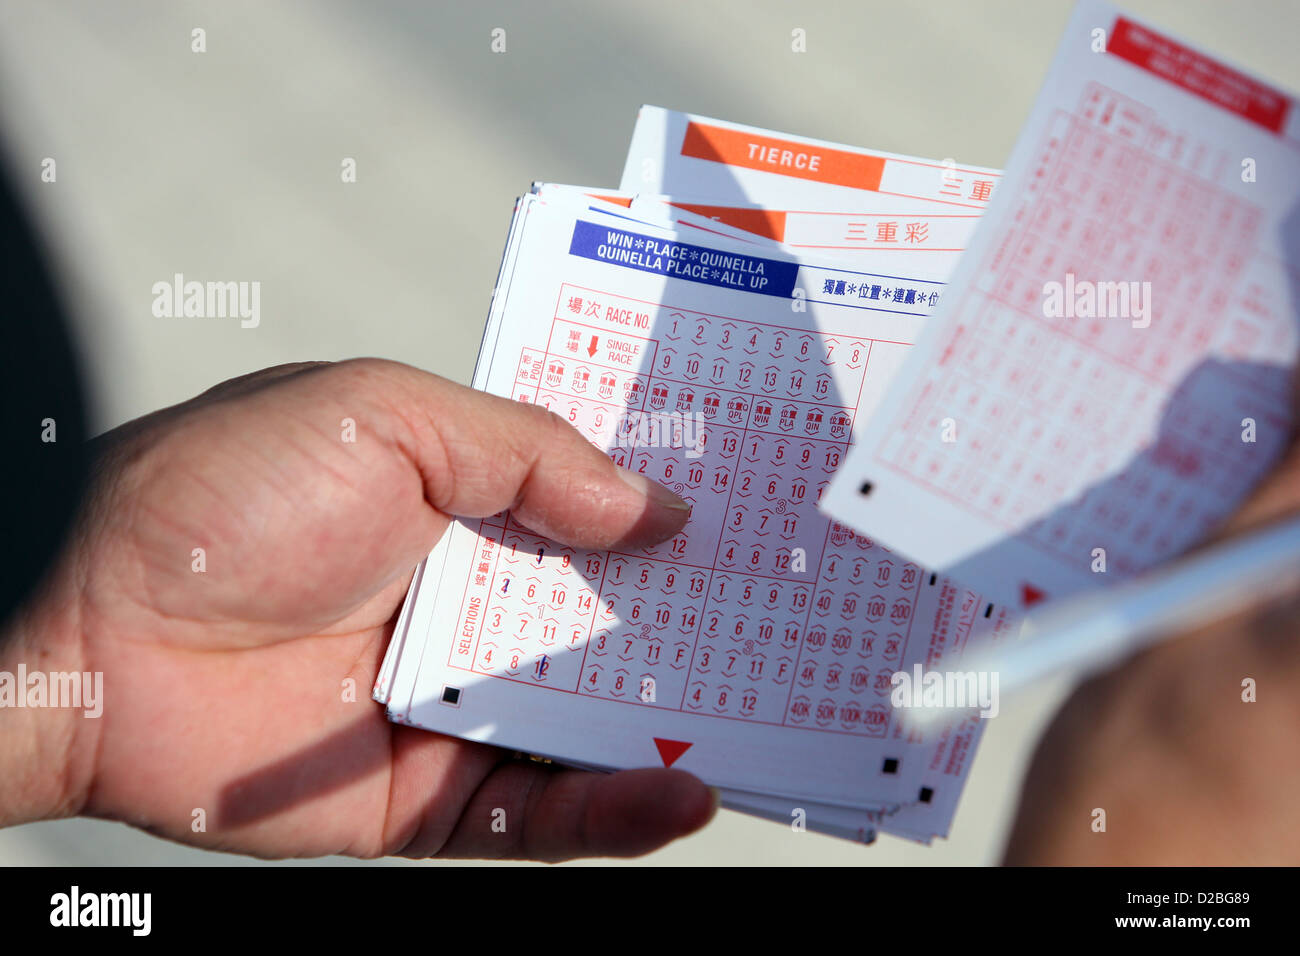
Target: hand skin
(224, 689)
(1186, 771)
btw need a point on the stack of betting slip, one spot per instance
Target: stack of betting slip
(846, 368)
(720, 324)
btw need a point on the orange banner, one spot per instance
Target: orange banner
(784, 157)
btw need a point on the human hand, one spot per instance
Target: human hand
(224, 688)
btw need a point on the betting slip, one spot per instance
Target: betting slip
(684, 154)
(724, 650)
(1110, 373)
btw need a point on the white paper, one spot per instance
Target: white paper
(1032, 456)
(740, 724)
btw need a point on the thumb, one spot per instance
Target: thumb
(478, 454)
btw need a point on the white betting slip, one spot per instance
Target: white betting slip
(683, 154)
(745, 658)
(951, 754)
(930, 230)
(1110, 371)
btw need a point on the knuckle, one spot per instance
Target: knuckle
(364, 372)
(552, 427)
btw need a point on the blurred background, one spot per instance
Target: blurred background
(226, 164)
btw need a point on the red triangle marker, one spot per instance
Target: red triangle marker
(670, 750)
(1030, 595)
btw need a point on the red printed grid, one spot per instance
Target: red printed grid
(1115, 195)
(716, 621)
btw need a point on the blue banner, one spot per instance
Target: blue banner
(681, 260)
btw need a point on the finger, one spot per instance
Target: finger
(534, 812)
(243, 384)
(479, 455)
